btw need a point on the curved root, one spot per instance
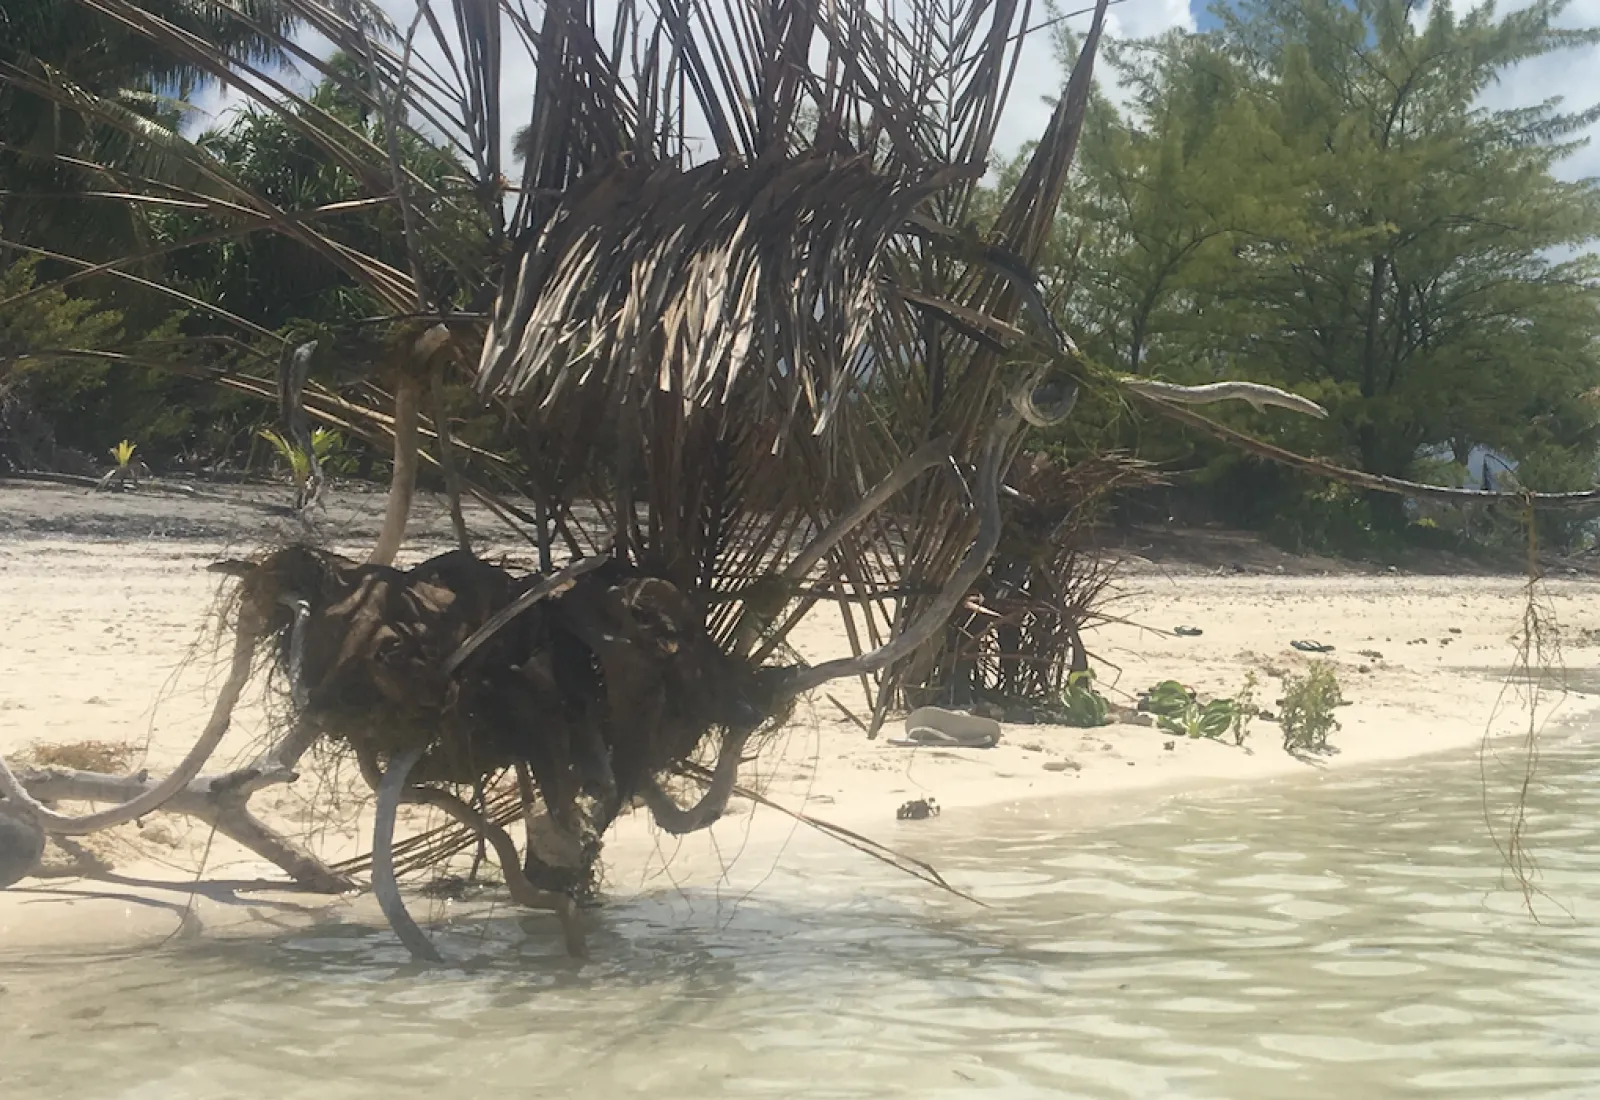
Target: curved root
(59, 824)
(403, 480)
(390, 791)
(523, 892)
(675, 820)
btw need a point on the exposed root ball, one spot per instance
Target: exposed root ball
(21, 845)
(597, 689)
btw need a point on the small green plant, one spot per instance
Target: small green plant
(1307, 709)
(324, 443)
(1082, 706)
(1244, 708)
(122, 454)
(1209, 720)
(1178, 710)
(1168, 699)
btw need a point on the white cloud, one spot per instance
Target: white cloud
(1573, 75)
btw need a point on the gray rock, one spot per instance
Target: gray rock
(21, 846)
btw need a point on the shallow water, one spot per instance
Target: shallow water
(1347, 937)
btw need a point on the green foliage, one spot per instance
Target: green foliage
(40, 327)
(1168, 699)
(122, 454)
(40, 376)
(1178, 710)
(94, 54)
(1306, 711)
(1210, 720)
(1082, 706)
(279, 282)
(1312, 196)
(325, 443)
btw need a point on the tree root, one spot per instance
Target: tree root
(676, 821)
(523, 892)
(391, 789)
(151, 798)
(220, 801)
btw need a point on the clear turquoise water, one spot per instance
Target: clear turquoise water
(1346, 937)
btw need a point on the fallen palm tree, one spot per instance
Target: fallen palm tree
(732, 386)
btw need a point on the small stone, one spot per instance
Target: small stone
(21, 845)
(1062, 765)
(1170, 746)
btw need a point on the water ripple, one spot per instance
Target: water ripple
(1351, 936)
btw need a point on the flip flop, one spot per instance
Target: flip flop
(948, 728)
(1312, 647)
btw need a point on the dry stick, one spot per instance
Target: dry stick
(59, 824)
(551, 586)
(447, 459)
(391, 790)
(1378, 482)
(292, 375)
(1260, 395)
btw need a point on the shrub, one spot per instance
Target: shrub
(1307, 709)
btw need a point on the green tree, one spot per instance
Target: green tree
(72, 75)
(1313, 195)
(39, 374)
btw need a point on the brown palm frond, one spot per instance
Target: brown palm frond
(679, 281)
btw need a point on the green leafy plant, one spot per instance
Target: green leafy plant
(1179, 710)
(1208, 720)
(1168, 699)
(1307, 709)
(324, 443)
(1082, 706)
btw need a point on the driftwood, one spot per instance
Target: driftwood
(157, 796)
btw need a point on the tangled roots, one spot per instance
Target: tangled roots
(456, 670)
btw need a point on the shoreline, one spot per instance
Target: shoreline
(100, 628)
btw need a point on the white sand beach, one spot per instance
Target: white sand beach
(103, 641)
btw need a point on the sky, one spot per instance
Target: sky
(1574, 74)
